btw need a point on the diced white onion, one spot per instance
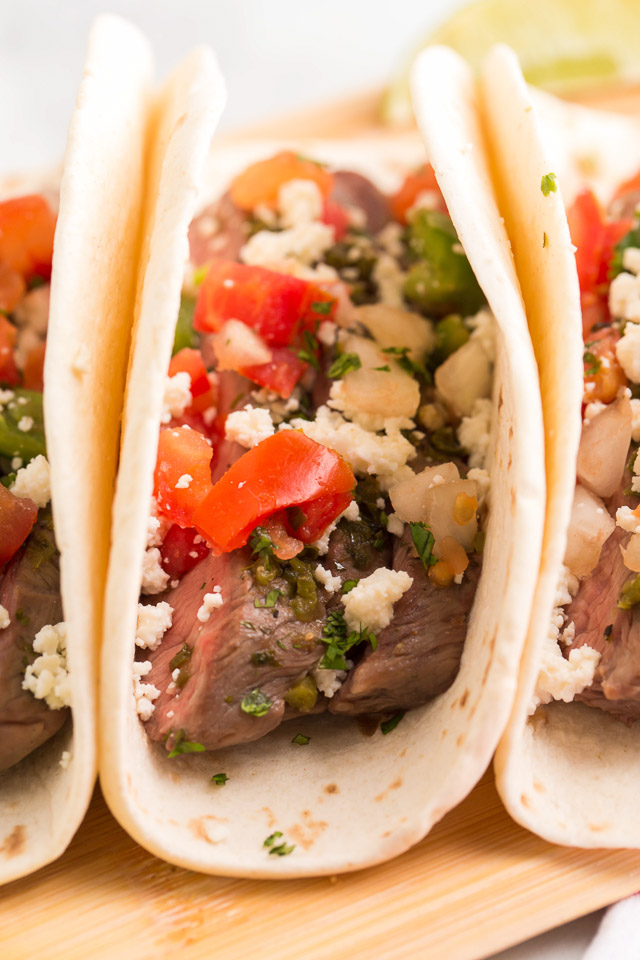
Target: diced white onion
(393, 327)
(237, 345)
(464, 377)
(590, 526)
(604, 448)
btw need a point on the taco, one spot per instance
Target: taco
(70, 296)
(329, 505)
(567, 767)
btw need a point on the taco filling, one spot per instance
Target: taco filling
(593, 649)
(34, 686)
(320, 492)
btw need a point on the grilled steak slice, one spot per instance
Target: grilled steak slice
(613, 632)
(218, 233)
(418, 654)
(353, 190)
(30, 591)
(241, 648)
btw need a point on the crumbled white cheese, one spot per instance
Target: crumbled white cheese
(370, 603)
(6, 396)
(5, 619)
(592, 410)
(322, 544)
(628, 351)
(25, 424)
(627, 520)
(390, 279)
(631, 260)
(299, 202)
(154, 578)
(16, 463)
(157, 526)
(48, 677)
(624, 297)
(482, 481)
(210, 602)
(341, 400)
(248, 427)
(144, 693)
(474, 432)
(177, 396)
(395, 525)
(390, 239)
(33, 481)
(153, 622)
(307, 243)
(326, 578)
(351, 513)
(326, 333)
(368, 453)
(328, 681)
(561, 679)
(183, 482)
(65, 760)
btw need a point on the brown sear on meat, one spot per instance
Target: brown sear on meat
(418, 654)
(30, 592)
(614, 633)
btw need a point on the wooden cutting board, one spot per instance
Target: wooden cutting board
(477, 884)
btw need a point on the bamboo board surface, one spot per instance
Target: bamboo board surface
(477, 884)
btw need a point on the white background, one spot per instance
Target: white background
(277, 55)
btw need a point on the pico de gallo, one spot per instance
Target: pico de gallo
(34, 683)
(593, 652)
(320, 493)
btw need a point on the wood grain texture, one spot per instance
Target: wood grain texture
(475, 885)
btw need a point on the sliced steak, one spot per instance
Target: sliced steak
(418, 654)
(239, 649)
(234, 392)
(218, 233)
(614, 633)
(30, 591)
(353, 190)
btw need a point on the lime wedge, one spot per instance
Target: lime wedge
(563, 45)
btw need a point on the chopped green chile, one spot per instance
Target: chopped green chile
(181, 657)
(185, 335)
(441, 281)
(451, 334)
(630, 594)
(15, 442)
(302, 696)
(256, 703)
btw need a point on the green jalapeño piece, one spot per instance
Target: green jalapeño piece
(22, 426)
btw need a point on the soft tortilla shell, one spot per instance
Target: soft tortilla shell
(42, 804)
(570, 773)
(346, 800)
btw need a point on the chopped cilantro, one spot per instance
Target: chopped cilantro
(280, 849)
(388, 725)
(348, 586)
(219, 779)
(339, 642)
(548, 184)
(594, 362)
(423, 541)
(308, 353)
(404, 361)
(343, 364)
(256, 703)
(186, 746)
(322, 306)
(301, 740)
(271, 839)
(236, 400)
(269, 601)
(203, 585)
(385, 369)
(261, 543)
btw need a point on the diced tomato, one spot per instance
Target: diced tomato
(12, 288)
(27, 226)
(281, 374)
(33, 371)
(422, 181)
(273, 304)
(595, 239)
(632, 185)
(608, 376)
(337, 217)
(595, 311)
(191, 362)
(182, 452)
(287, 469)
(284, 546)
(260, 182)
(310, 522)
(17, 517)
(180, 553)
(8, 369)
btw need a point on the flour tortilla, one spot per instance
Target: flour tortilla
(346, 801)
(570, 773)
(94, 264)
